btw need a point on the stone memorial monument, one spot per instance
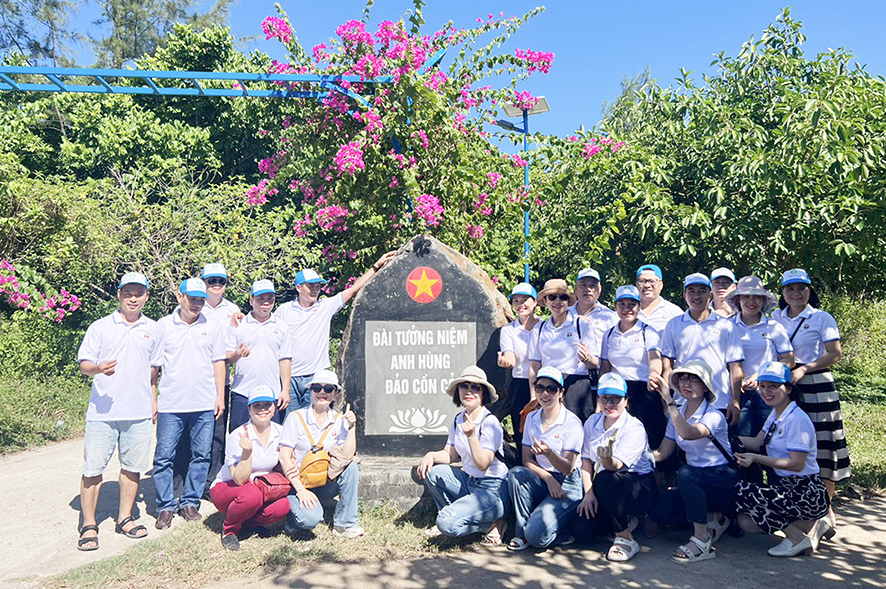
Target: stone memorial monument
(429, 313)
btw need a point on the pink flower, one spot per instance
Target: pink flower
(524, 100)
(436, 80)
(354, 32)
(590, 150)
(349, 158)
(277, 27)
(422, 138)
(428, 208)
(394, 182)
(333, 217)
(535, 60)
(494, 179)
(475, 231)
(519, 162)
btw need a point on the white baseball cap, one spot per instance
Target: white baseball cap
(194, 287)
(133, 278)
(215, 270)
(261, 287)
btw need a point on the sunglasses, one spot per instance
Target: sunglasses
(550, 389)
(470, 386)
(261, 406)
(214, 281)
(326, 388)
(610, 400)
(558, 297)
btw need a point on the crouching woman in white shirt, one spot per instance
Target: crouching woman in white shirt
(472, 498)
(616, 469)
(797, 498)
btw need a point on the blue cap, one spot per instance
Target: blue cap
(133, 278)
(628, 291)
(612, 384)
(194, 287)
(214, 270)
(723, 273)
(261, 393)
(775, 372)
(697, 278)
(794, 276)
(308, 276)
(588, 273)
(550, 372)
(524, 288)
(260, 287)
(649, 268)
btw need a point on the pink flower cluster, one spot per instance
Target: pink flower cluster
(271, 165)
(475, 231)
(436, 80)
(594, 146)
(276, 27)
(494, 179)
(480, 204)
(52, 306)
(349, 158)
(429, 209)
(258, 194)
(519, 162)
(524, 100)
(333, 217)
(422, 138)
(535, 60)
(354, 32)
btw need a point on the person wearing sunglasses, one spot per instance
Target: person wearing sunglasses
(514, 344)
(616, 470)
(547, 488)
(251, 451)
(473, 498)
(568, 343)
(655, 310)
(326, 428)
(797, 501)
(705, 489)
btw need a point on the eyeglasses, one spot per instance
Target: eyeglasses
(261, 406)
(550, 389)
(326, 388)
(647, 281)
(214, 281)
(687, 377)
(558, 297)
(470, 386)
(770, 432)
(610, 400)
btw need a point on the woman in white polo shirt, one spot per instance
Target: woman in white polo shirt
(547, 488)
(706, 483)
(816, 341)
(797, 498)
(565, 342)
(514, 351)
(472, 498)
(616, 469)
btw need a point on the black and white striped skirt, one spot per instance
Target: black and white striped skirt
(821, 402)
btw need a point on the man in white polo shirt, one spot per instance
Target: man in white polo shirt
(722, 285)
(588, 289)
(192, 397)
(121, 352)
(260, 349)
(655, 311)
(309, 320)
(701, 334)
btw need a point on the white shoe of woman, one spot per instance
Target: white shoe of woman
(788, 548)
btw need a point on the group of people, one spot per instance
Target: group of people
(609, 405)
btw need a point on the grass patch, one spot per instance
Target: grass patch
(35, 410)
(864, 412)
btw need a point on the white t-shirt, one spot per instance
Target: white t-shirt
(491, 435)
(125, 395)
(564, 435)
(713, 340)
(514, 338)
(268, 344)
(631, 445)
(309, 332)
(628, 353)
(794, 432)
(264, 458)
(819, 328)
(558, 346)
(761, 343)
(659, 317)
(187, 382)
(601, 318)
(220, 314)
(294, 435)
(702, 452)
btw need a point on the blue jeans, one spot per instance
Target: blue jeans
(466, 505)
(200, 425)
(700, 490)
(753, 414)
(540, 517)
(346, 486)
(299, 393)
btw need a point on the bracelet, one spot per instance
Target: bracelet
(376, 268)
(672, 404)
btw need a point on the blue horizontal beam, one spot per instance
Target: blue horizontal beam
(218, 92)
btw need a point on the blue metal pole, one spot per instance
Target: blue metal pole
(526, 185)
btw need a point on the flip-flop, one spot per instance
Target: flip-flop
(132, 532)
(82, 542)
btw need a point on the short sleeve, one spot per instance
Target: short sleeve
(588, 335)
(653, 338)
(290, 433)
(604, 345)
(158, 353)
(714, 421)
(671, 431)
(233, 451)
(631, 445)
(800, 434)
(491, 434)
(780, 338)
(573, 436)
(342, 429)
(218, 344)
(734, 351)
(530, 431)
(534, 350)
(230, 338)
(450, 440)
(587, 452)
(829, 330)
(285, 352)
(506, 339)
(666, 343)
(90, 347)
(333, 305)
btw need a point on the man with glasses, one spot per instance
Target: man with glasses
(655, 311)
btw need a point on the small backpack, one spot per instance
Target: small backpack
(314, 469)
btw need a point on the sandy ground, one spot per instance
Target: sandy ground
(39, 514)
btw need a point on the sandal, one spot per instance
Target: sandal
(517, 544)
(623, 550)
(433, 532)
(685, 554)
(495, 534)
(717, 528)
(132, 532)
(82, 542)
(490, 540)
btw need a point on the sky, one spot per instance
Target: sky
(596, 44)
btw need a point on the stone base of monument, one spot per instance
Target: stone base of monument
(392, 479)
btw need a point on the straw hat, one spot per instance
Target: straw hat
(475, 375)
(752, 286)
(555, 286)
(700, 369)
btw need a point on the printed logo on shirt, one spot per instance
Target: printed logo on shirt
(146, 335)
(806, 326)
(275, 331)
(766, 335)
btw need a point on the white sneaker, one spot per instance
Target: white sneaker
(352, 532)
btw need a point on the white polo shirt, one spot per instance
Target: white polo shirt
(629, 352)
(713, 340)
(818, 328)
(222, 313)
(516, 339)
(125, 395)
(558, 346)
(631, 445)
(794, 432)
(188, 380)
(264, 458)
(309, 332)
(268, 344)
(658, 318)
(761, 343)
(702, 452)
(601, 318)
(564, 435)
(491, 435)
(294, 435)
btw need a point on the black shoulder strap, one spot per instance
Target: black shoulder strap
(578, 321)
(730, 459)
(799, 325)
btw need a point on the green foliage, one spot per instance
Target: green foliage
(862, 323)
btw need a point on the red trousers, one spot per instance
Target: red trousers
(242, 504)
